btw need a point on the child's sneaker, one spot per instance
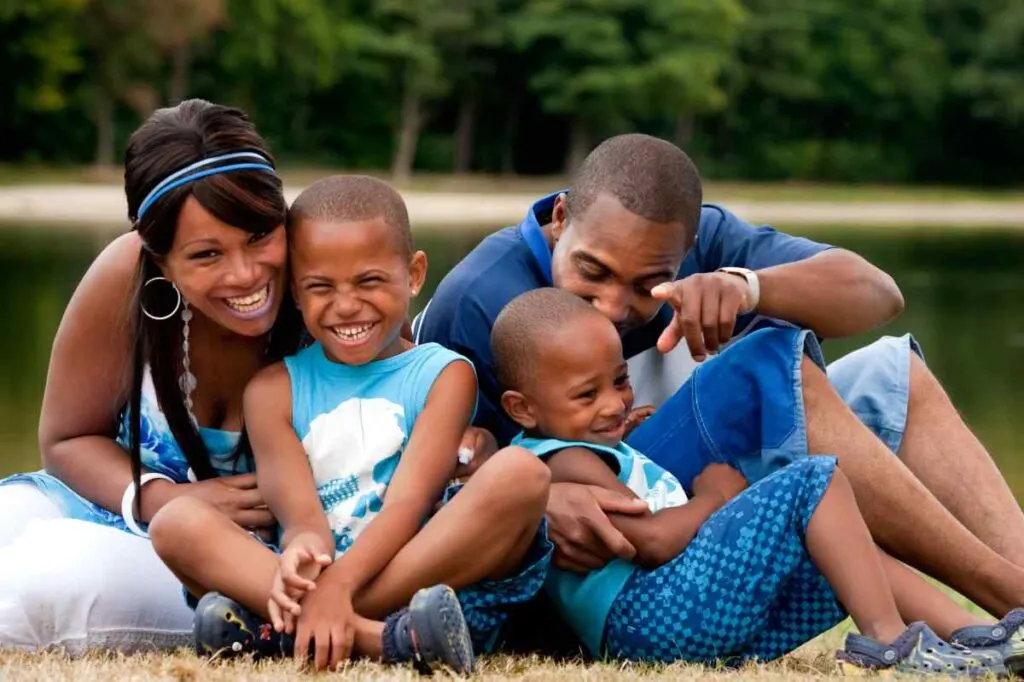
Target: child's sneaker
(431, 631)
(224, 628)
(919, 651)
(1006, 637)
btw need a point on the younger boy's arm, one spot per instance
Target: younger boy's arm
(423, 473)
(658, 538)
(283, 474)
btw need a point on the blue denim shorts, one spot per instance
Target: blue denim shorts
(744, 407)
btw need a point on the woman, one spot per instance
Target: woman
(143, 397)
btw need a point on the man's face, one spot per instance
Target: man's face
(613, 258)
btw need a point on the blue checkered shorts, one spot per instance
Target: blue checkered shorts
(745, 587)
(486, 605)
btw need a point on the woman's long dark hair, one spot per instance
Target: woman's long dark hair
(250, 200)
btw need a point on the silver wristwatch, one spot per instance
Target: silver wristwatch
(753, 286)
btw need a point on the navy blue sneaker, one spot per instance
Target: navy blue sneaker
(919, 651)
(432, 631)
(1006, 637)
(224, 628)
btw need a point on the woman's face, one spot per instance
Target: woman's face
(233, 277)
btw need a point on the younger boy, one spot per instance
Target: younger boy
(734, 573)
(355, 439)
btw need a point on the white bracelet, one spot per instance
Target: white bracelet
(128, 502)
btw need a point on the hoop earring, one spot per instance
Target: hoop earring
(177, 304)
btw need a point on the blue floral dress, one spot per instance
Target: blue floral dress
(160, 454)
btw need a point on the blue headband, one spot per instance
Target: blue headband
(186, 175)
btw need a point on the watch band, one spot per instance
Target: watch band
(753, 286)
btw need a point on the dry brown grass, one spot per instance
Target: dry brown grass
(812, 662)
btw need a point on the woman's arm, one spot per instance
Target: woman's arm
(658, 538)
(283, 474)
(88, 381)
(423, 473)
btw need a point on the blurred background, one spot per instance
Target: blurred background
(891, 127)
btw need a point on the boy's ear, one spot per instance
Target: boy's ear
(518, 407)
(417, 272)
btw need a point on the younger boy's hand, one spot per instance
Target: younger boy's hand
(638, 416)
(720, 479)
(300, 565)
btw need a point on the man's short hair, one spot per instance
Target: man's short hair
(522, 327)
(650, 177)
(343, 198)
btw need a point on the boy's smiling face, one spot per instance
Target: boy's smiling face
(579, 388)
(353, 282)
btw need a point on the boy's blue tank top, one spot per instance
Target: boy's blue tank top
(354, 422)
(585, 600)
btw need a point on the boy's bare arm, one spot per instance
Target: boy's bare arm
(283, 475)
(658, 538)
(423, 473)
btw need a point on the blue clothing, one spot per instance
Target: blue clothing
(743, 589)
(159, 452)
(517, 259)
(585, 600)
(354, 422)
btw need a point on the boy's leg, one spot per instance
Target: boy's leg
(918, 599)
(733, 592)
(765, 402)
(210, 553)
(486, 542)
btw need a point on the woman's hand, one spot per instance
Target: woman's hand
(637, 416)
(237, 497)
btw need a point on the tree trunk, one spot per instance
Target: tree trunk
(408, 136)
(103, 119)
(464, 134)
(180, 60)
(579, 145)
(684, 131)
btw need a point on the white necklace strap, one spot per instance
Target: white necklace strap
(128, 502)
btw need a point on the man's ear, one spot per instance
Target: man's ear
(559, 217)
(517, 406)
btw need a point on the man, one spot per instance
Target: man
(631, 235)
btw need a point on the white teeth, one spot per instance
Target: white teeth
(352, 333)
(249, 303)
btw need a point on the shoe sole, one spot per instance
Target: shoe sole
(1015, 664)
(436, 617)
(213, 612)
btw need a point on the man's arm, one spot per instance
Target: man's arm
(835, 293)
(658, 538)
(832, 291)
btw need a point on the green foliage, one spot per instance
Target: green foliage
(883, 90)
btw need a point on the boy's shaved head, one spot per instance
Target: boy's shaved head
(524, 324)
(650, 177)
(349, 198)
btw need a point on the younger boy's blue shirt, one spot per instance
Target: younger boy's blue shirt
(516, 259)
(585, 601)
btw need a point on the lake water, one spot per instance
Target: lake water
(964, 296)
